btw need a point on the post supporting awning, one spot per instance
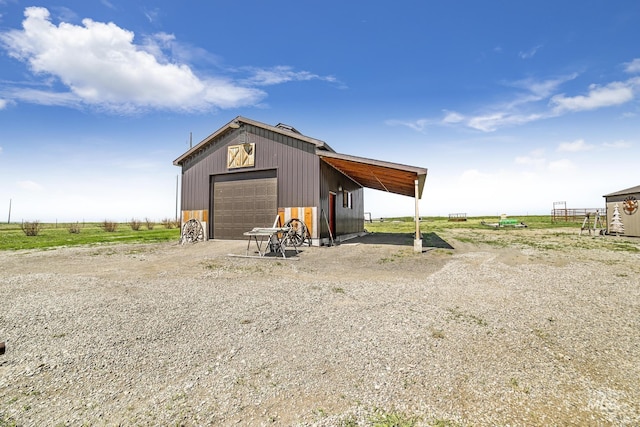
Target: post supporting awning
(383, 176)
(417, 243)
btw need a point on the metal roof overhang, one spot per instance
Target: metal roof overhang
(378, 175)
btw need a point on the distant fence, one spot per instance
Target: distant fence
(573, 215)
(457, 216)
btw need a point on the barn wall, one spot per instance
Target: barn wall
(631, 222)
(348, 220)
(294, 160)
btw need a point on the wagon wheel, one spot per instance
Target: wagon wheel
(192, 232)
(298, 233)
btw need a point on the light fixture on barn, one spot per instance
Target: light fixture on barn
(339, 188)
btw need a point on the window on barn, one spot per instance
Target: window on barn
(347, 200)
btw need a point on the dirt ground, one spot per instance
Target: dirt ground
(484, 327)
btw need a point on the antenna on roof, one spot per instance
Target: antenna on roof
(190, 139)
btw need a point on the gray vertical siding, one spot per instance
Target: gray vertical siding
(348, 220)
(295, 162)
(303, 179)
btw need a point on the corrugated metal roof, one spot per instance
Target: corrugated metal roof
(635, 189)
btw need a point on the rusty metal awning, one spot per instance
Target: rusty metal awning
(377, 174)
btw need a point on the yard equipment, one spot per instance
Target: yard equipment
(298, 233)
(274, 239)
(505, 222)
(192, 232)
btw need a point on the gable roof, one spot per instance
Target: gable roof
(635, 189)
(239, 121)
(376, 174)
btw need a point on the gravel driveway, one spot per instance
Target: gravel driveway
(495, 327)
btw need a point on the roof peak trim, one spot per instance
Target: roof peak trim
(237, 123)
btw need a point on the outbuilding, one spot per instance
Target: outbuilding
(246, 173)
(622, 208)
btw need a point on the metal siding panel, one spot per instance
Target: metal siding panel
(299, 180)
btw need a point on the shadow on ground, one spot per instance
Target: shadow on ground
(429, 240)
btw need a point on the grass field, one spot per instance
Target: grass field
(434, 224)
(53, 235)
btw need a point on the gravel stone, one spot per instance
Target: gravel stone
(521, 327)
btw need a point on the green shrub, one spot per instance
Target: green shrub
(150, 224)
(109, 226)
(135, 224)
(170, 223)
(31, 228)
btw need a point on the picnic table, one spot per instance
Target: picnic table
(268, 239)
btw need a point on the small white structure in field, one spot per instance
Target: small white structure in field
(628, 201)
(616, 222)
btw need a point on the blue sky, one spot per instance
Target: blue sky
(510, 105)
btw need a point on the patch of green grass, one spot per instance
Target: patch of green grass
(515, 384)
(444, 423)
(624, 246)
(7, 422)
(392, 419)
(405, 253)
(56, 235)
(437, 334)
(435, 224)
(319, 413)
(212, 265)
(349, 421)
(457, 314)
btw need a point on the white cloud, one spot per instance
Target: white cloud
(509, 113)
(108, 4)
(3, 104)
(617, 144)
(562, 166)
(417, 125)
(43, 97)
(534, 158)
(539, 100)
(536, 90)
(615, 93)
(633, 66)
(114, 73)
(473, 176)
(152, 14)
(30, 186)
(282, 74)
(529, 160)
(529, 53)
(452, 117)
(494, 121)
(574, 146)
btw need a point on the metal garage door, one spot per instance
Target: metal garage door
(241, 204)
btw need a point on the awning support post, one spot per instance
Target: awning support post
(417, 243)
